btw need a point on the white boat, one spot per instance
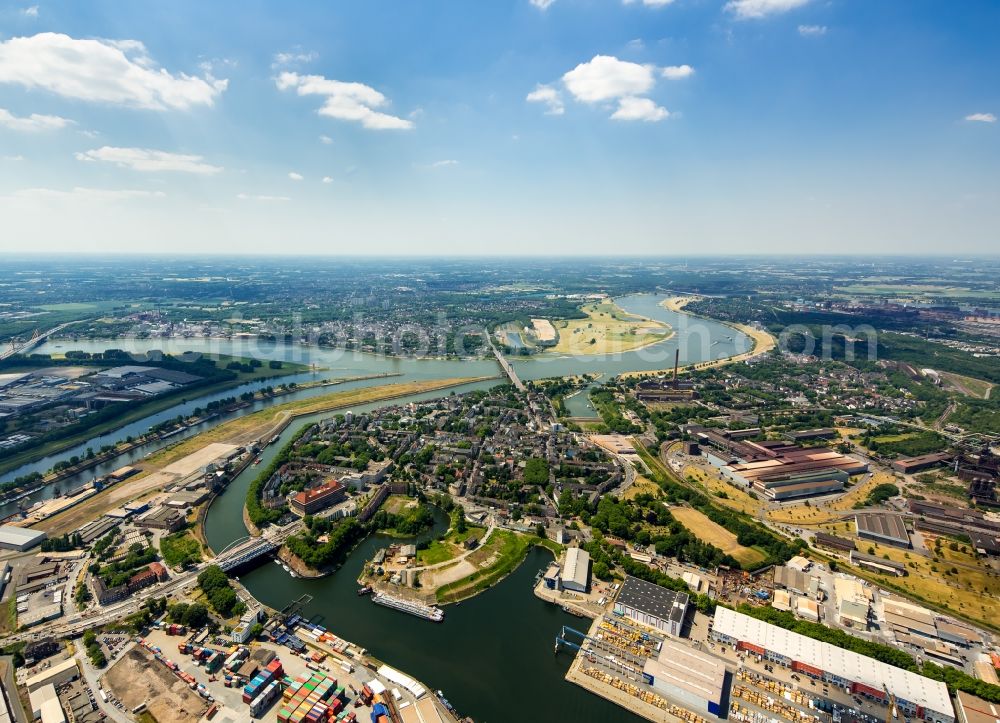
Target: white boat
(427, 612)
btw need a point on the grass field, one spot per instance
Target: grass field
(495, 560)
(716, 485)
(607, 330)
(969, 386)
(971, 591)
(449, 547)
(641, 486)
(717, 535)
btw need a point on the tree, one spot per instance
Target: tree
(196, 616)
(540, 530)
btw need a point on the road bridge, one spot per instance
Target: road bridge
(34, 341)
(504, 364)
(244, 551)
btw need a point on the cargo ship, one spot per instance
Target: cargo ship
(427, 612)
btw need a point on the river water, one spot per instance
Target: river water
(493, 655)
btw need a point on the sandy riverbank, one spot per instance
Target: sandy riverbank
(763, 342)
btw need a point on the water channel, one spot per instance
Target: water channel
(493, 655)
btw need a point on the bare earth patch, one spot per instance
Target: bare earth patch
(138, 678)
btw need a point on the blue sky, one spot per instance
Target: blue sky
(502, 126)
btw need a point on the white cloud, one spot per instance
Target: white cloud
(282, 60)
(149, 160)
(80, 193)
(812, 30)
(33, 122)
(639, 109)
(442, 164)
(635, 44)
(266, 198)
(548, 95)
(677, 72)
(13, 158)
(981, 118)
(345, 101)
(542, 4)
(295, 176)
(327, 179)
(105, 71)
(30, 12)
(325, 140)
(605, 77)
(650, 3)
(752, 9)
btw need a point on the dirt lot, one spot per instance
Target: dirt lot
(715, 534)
(138, 678)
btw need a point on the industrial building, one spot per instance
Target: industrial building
(19, 538)
(652, 605)
(45, 705)
(309, 502)
(976, 710)
(916, 695)
(575, 574)
(58, 674)
(694, 679)
(888, 529)
(909, 465)
(877, 564)
(833, 542)
(783, 471)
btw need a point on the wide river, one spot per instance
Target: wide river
(493, 655)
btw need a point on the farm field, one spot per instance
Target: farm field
(716, 534)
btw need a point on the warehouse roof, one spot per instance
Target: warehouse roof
(577, 566)
(977, 710)
(890, 526)
(10, 535)
(852, 666)
(52, 674)
(697, 673)
(652, 599)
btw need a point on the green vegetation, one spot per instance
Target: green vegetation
(94, 651)
(510, 549)
(911, 444)
(180, 549)
(194, 615)
(536, 471)
(341, 537)
(879, 494)
(412, 522)
(603, 399)
(220, 594)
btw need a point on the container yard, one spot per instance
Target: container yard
(310, 676)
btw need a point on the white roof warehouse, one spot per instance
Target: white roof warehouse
(919, 696)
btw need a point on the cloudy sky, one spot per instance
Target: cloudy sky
(501, 126)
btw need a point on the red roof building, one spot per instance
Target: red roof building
(311, 501)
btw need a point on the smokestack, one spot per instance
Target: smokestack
(677, 359)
